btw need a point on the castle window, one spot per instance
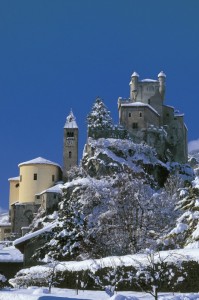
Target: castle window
(54, 196)
(129, 115)
(17, 185)
(38, 197)
(149, 101)
(70, 134)
(53, 178)
(70, 154)
(35, 176)
(140, 114)
(135, 125)
(167, 114)
(20, 178)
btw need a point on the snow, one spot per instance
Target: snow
(134, 104)
(126, 260)
(54, 189)
(38, 160)
(35, 293)
(4, 219)
(10, 254)
(70, 121)
(17, 178)
(178, 114)
(161, 74)
(180, 227)
(149, 80)
(135, 74)
(34, 234)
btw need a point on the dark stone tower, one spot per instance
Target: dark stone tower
(70, 151)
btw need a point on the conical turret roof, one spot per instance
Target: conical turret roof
(70, 121)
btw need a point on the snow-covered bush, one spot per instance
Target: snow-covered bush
(152, 276)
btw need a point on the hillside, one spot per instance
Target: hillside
(116, 193)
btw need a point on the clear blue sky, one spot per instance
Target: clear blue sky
(62, 54)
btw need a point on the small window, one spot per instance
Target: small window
(70, 134)
(20, 178)
(38, 197)
(17, 185)
(129, 115)
(35, 176)
(149, 101)
(70, 154)
(167, 114)
(53, 178)
(140, 114)
(135, 125)
(54, 196)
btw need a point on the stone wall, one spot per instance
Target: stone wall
(22, 216)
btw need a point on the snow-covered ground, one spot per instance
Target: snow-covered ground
(33, 293)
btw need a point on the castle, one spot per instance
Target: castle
(148, 119)
(145, 118)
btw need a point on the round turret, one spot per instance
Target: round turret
(37, 175)
(134, 86)
(162, 79)
(14, 190)
(162, 74)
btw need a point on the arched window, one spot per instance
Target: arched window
(70, 154)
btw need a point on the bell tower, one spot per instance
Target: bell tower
(70, 151)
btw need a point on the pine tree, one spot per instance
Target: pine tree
(64, 242)
(186, 230)
(99, 117)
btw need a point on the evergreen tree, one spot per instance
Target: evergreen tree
(64, 242)
(186, 230)
(99, 117)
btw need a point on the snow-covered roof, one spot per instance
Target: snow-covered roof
(5, 224)
(70, 121)
(14, 178)
(161, 74)
(54, 189)
(31, 235)
(139, 104)
(4, 219)
(148, 80)
(38, 160)
(178, 114)
(10, 254)
(169, 106)
(135, 74)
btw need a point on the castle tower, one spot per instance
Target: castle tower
(134, 86)
(70, 151)
(36, 175)
(162, 78)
